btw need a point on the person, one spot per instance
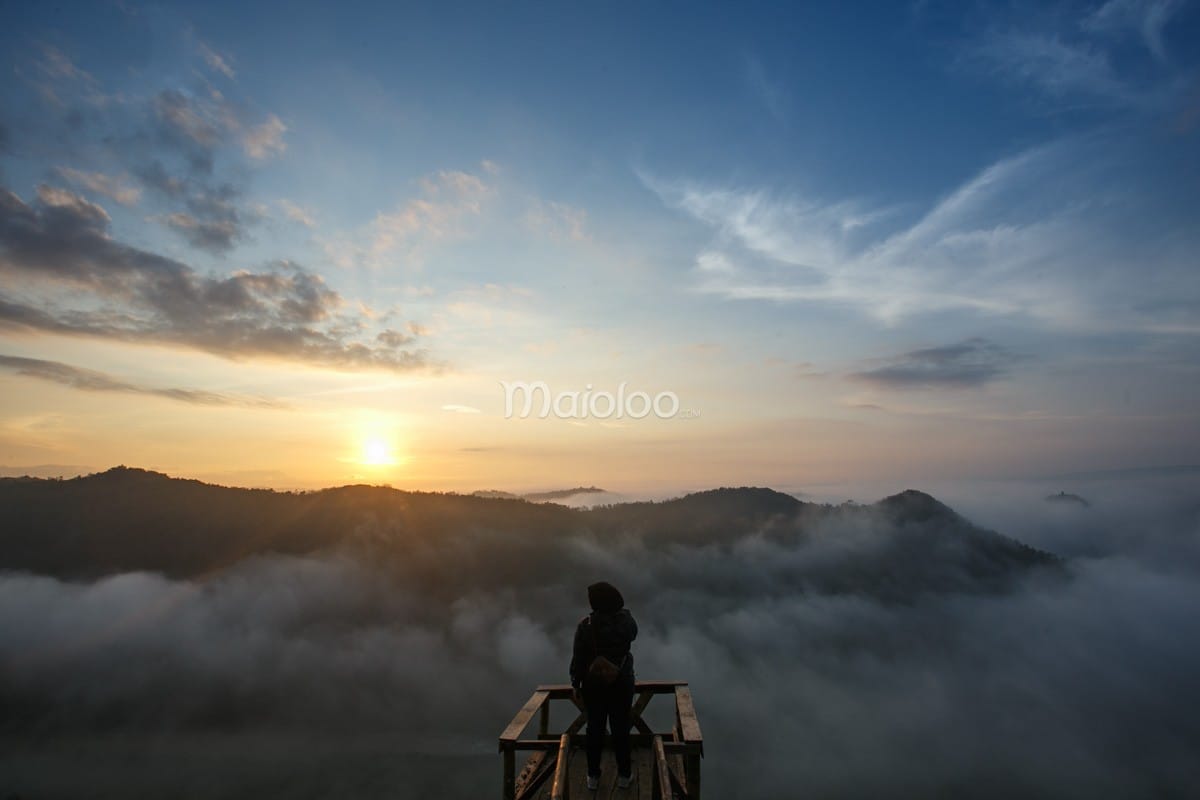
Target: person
(607, 632)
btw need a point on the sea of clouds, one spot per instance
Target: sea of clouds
(341, 677)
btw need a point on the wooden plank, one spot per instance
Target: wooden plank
(578, 740)
(678, 774)
(643, 700)
(644, 767)
(577, 725)
(537, 768)
(687, 717)
(521, 720)
(561, 691)
(661, 773)
(679, 779)
(635, 714)
(559, 790)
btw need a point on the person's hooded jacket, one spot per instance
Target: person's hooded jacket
(608, 631)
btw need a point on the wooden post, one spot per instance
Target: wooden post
(544, 720)
(560, 789)
(692, 769)
(509, 787)
(661, 773)
(689, 726)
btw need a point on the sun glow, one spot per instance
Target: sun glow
(377, 453)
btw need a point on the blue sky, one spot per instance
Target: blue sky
(881, 240)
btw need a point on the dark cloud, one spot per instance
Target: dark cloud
(973, 362)
(393, 338)
(216, 236)
(92, 381)
(62, 242)
(187, 144)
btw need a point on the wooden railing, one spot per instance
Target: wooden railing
(676, 753)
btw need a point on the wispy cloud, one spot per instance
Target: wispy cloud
(216, 61)
(1058, 67)
(557, 220)
(88, 380)
(445, 202)
(769, 92)
(1145, 19)
(118, 188)
(298, 214)
(459, 409)
(265, 140)
(1033, 235)
(971, 363)
(1073, 58)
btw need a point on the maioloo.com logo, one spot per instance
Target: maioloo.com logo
(621, 404)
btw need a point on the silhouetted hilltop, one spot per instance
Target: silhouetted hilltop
(561, 494)
(914, 506)
(130, 519)
(539, 497)
(1065, 498)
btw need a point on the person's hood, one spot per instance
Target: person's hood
(603, 596)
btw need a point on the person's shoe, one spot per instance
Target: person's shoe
(593, 782)
(623, 781)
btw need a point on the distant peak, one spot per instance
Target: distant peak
(122, 471)
(1068, 499)
(744, 498)
(562, 494)
(912, 505)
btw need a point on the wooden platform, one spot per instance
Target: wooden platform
(642, 787)
(666, 765)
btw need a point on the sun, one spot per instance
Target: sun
(377, 453)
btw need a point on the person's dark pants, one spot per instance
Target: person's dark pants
(611, 703)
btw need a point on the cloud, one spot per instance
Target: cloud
(447, 200)
(60, 246)
(461, 409)
(216, 236)
(92, 381)
(1075, 687)
(770, 93)
(298, 214)
(216, 61)
(190, 120)
(1144, 18)
(57, 64)
(115, 188)
(213, 219)
(1037, 235)
(971, 363)
(557, 220)
(265, 140)
(1057, 67)
(1073, 59)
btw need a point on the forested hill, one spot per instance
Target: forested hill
(134, 520)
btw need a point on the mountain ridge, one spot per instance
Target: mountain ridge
(129, 519)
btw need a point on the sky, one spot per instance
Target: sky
(296, 245)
